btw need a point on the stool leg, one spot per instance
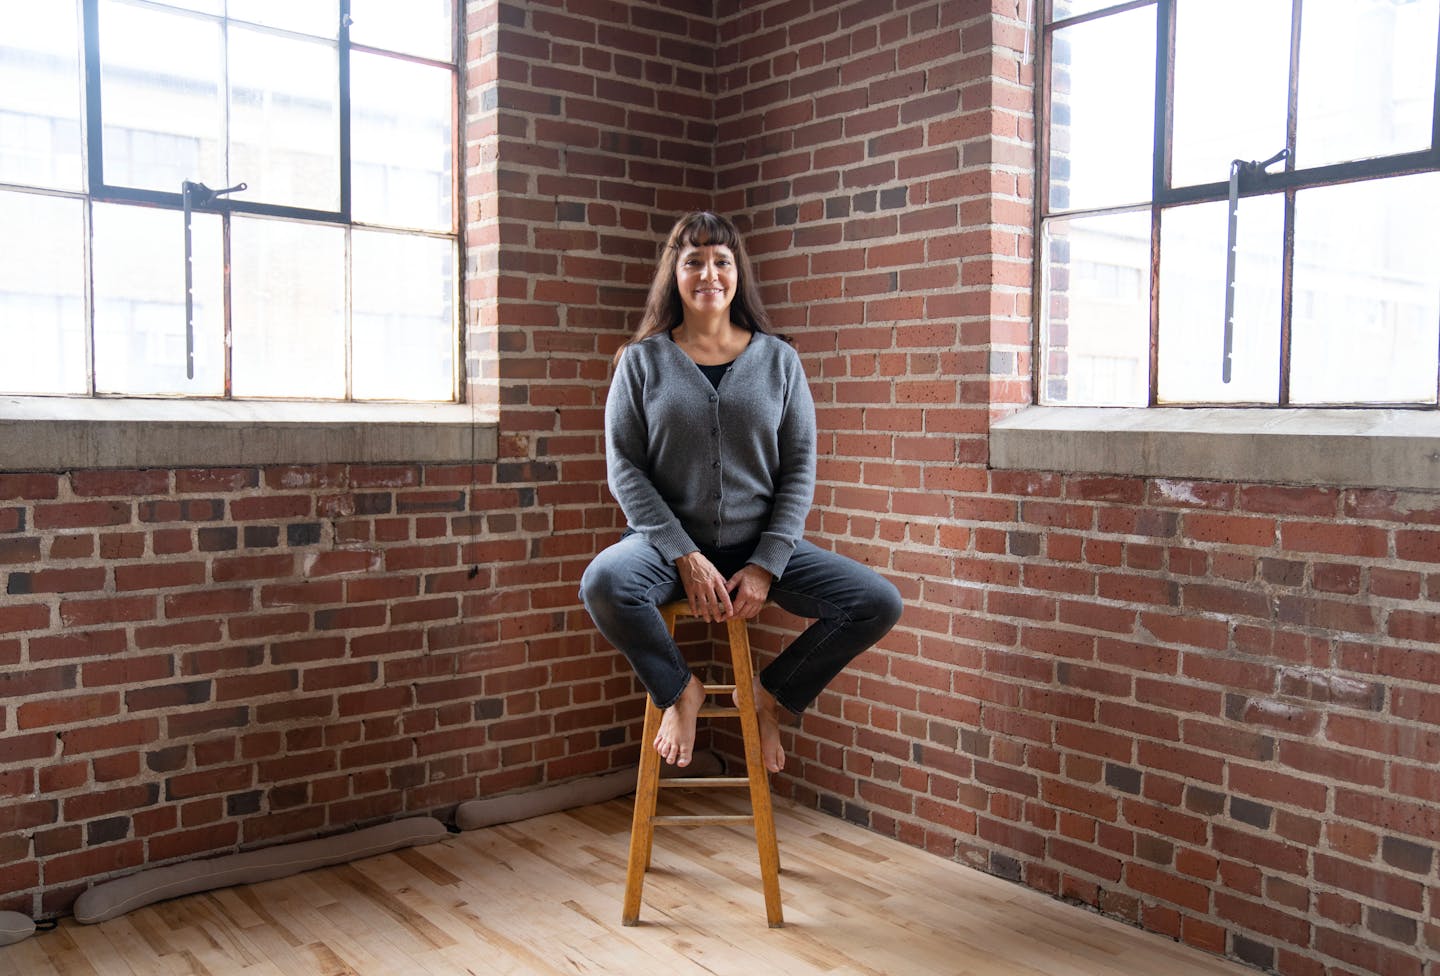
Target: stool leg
(642, 827)
(759, 777)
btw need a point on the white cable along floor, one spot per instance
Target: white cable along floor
(544, 897)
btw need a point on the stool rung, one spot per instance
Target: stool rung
(718, 711)
(701, 820)
(686, 782)
(719, 689)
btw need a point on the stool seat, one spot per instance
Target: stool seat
(649, 783)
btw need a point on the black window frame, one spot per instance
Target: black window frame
(97, 190)
(1288, 181)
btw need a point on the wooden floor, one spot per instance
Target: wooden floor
(543, 896)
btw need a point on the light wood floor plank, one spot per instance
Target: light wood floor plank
(543, 898)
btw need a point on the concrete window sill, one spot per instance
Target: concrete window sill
(57, 434)
(1344, 448)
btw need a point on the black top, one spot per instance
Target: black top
(713, 373)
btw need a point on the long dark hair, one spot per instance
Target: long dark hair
(663, 308)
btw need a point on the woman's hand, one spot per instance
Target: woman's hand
(751, 587)
(705, 588)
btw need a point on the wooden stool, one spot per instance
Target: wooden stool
(642, 830)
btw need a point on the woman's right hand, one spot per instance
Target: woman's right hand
(704, 587)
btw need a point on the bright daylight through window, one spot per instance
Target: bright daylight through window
(338, 116)
(1154, 112)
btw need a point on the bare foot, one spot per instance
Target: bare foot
(676, 739)
(767, 711)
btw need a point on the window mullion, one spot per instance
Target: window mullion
(343, 60)
(1287, 292)
(1164, 95)
(226, 316)
(94, 129)
(1287, 254)
(1154, 393)
(1160, 179)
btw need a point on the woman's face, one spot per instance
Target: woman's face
(706, 277)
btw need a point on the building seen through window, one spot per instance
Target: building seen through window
(339, 118)
(1336, 290)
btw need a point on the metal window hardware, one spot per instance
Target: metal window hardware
(195, 195)
(1249, 174)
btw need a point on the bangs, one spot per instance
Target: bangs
(705, 229)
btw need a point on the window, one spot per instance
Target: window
(1147, 108)
(331, 275)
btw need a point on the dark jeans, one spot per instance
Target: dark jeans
(851, 604)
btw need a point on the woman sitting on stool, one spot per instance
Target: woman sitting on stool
(710, 451)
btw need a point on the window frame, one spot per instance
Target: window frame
(100, 191)
(64, 431)
(92, 190)
(1287, 181)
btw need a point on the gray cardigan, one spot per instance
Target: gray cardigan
(693, 465)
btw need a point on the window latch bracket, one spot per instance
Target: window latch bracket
(1247, 176)
(195, 195)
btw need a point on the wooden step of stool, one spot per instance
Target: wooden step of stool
(648, 784)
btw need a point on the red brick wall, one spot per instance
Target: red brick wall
(195, 661)
(1211, 709)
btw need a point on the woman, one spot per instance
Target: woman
(710, 451)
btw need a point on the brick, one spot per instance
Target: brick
(74, 515)
(233, 569)
(1229, 529)
(1161, 884)
(29, 486)
(156, 576)
(49, 712)
(89, 613)
(19, 550)
(83, 644)
(110, 735)
(27, 616)
(223, 480)
(1336, 538)
(120, 482)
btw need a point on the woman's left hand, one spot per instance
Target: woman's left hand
(749, 589)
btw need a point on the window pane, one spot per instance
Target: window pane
(161, 91)
(1231, 85)
(1367, 78)
(421, 27)
(1192, 302)
(1096, 327)
(400, 142)
(318, 17)
(40, 94)
(139, 256)
(1102, 109)
(1366, 312)
(42, 294)
(288, 296)
(285, 119)
(404, 319)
